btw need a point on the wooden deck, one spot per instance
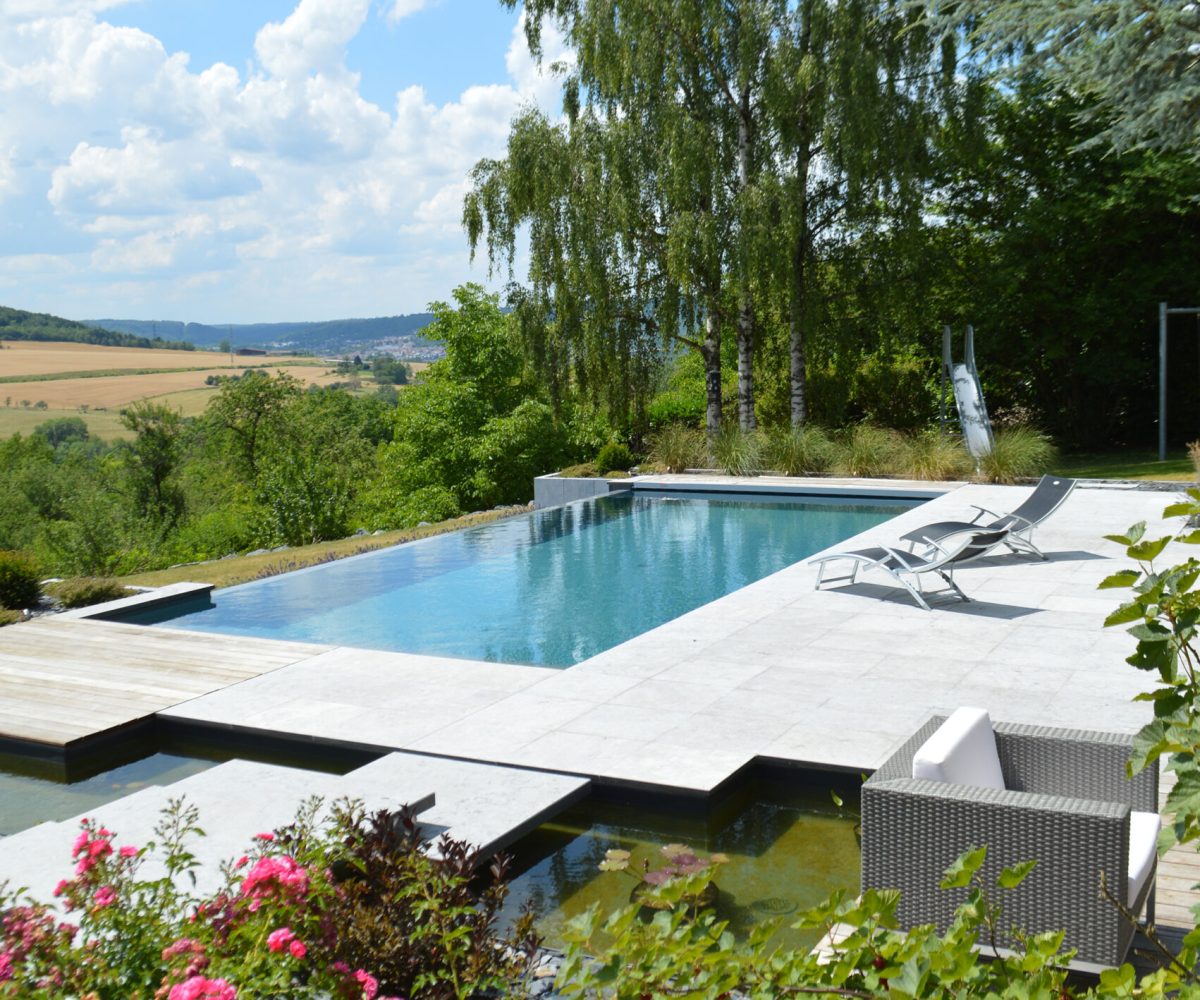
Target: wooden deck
(65, 682)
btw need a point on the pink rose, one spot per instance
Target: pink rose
(200, 988)
(128, 851)
(369, 984)
(264, 836)
(62, 887)
(279, 939)
(298, 949)
(106, 895)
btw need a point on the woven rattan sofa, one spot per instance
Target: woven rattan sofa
(1065, 802)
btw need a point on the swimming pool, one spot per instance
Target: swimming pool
(550, 588)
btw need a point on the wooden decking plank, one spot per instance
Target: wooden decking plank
(64, 680)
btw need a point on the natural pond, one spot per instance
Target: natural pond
(785, 854)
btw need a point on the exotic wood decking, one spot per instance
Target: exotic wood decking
(64, 682)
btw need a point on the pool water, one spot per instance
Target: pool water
(27, 799)
(783, 859)
(550, 588)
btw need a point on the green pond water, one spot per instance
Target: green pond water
(29, 797)
(784, 857)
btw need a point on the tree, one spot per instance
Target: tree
(248, 409)
(722, 144)
(1134, 66)
(151, 460)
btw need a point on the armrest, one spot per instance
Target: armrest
(1072, 762)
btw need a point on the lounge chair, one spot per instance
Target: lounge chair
(1045, 499)
(1030, 793)
(940, 560)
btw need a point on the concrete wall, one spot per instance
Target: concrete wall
(553, 490)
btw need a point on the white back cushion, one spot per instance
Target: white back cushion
(961, 752)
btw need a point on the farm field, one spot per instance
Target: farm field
(21, 357)
(105, 424)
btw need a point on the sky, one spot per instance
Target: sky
(238, 161)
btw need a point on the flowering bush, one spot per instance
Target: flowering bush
(281, 924)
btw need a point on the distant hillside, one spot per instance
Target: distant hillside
(394, 334)
(16, 324)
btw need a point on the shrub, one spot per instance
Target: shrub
(799, 451)
(586, 470)
(676, 407)
(19, 584)
(429, 503)
(894, 388)
(614, 457)
(1194, 454)
(293, 918)
(10, 617)
(1017, 453)
(678, 448)
(867, 450)
(84, 591)
(933, 455)
(736, 453)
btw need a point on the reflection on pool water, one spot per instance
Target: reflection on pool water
(783, 858)
(550, 588)
(27, 799)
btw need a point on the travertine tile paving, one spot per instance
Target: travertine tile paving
(833, 678)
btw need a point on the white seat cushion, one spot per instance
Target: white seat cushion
(961, 752)
(1143, 847)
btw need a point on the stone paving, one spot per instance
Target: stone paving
(834, 679)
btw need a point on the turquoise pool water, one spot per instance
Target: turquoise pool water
(550, 588)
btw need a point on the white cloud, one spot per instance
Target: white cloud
(401, 9)
(205, 186)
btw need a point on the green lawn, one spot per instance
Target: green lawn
(1127, 465)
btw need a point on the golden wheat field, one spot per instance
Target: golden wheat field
(22, 357)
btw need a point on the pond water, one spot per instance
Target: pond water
(784, 857)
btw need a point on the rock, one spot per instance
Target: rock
(423, 524)
(379, 531)
(360, 532)
(231, 555)
(259, 552)
(281, 548)
(540, 987)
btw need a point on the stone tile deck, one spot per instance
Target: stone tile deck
(833, 679)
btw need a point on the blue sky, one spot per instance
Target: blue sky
(261, 160)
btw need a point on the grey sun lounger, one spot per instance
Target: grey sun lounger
(1046, 498)
(905, 566)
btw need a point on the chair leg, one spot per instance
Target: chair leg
(916, 594)
(954, 586)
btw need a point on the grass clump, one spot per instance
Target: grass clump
(930, 454)
(1194, 454)
(20, 586)
(738, 454)
(585, 470)
(614, 457)
(678, 448)
(85, 591)
(799, 451)
(1017, 453)
(9, 617)
(867, 450)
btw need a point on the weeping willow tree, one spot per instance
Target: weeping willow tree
(710, 152)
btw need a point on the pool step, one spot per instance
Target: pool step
(486, 805)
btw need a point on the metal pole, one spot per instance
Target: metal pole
(1162, 381)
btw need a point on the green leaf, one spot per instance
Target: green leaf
(964, 868)
(1150, 632)
(1180, 510)
(837, 799)
(1148, 745)
(1191, 538)
(1148, 551)
(1125, 578)
(1014, 875)
(1129, 612)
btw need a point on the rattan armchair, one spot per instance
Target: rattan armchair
(1066, 803)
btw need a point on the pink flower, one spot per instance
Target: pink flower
(63, 886)
(298, 949)
(279, 939)
(183, 946)
(99, 849)
(106, 895)
(6, 964)
(264, 836)
(242, 862)
(81, 843)
(200, 988)
(272, 877)
(128, 851)
(369, 984)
